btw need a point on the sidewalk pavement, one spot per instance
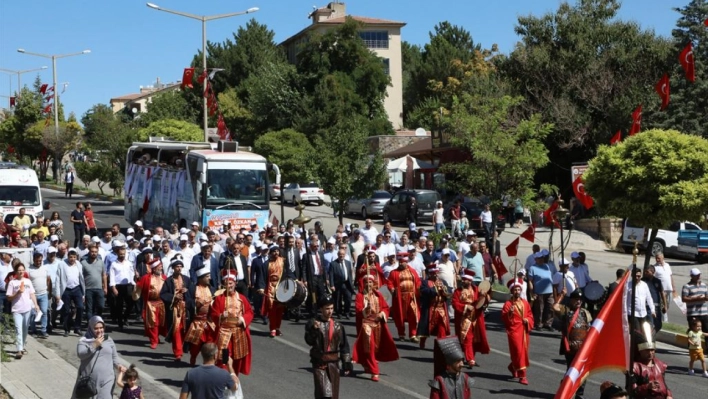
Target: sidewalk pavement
(41, 373)
(578, 240)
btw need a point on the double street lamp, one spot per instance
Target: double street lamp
(55, 106)
(19, 73)
(204, 20)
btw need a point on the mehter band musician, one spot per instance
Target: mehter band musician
(201, 330)
(232, 314)
(175, 296)
(150, 286)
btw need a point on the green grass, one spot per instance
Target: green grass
(674, 328)
(500, 288)
(7, 336)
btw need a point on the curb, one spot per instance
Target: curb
(672, 338)
(98, 197)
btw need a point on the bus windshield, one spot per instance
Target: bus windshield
(228, 186)
(19, 196)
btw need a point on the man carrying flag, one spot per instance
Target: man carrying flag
(518, 321)
(575, 324)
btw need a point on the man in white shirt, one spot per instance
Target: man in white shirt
(447, 269)
(415, 261)
(369, 232)
(390, 265)
(580, 270)
(121, 279)
(357, 244)
(330, 253)
(84, 246)
(106, 242)
(402, 246)
(387, 244)
(662, 271)
(464, 246)
(486, 217)
(394, 236)
(564, 280)
(643, 299)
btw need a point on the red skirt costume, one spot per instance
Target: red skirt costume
(201, 330)
(150, 287)
(469, 322)
(513, 315)
(404, 285)
(374, 342)
(271, 308)
(230, 334)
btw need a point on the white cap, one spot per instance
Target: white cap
(446, 251)
(156, 238)
(183, 230)
(95, 239)
(183, 237)
(195, 224)
(51, 250)
(521, 271)
(118, 244)
(74, 250)
(129, 238)
(564, 261)
(574, 255)
(54, 237)
(147, 233)
(139, 223)
(331, 240)
(205, 244)
(695, 272)
(262, 247)
(344, 235)
(131, 230)
(471, 233)
(202, 271)
(411, 226)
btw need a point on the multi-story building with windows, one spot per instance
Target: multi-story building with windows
(382, 36)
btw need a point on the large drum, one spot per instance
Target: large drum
(291, 293)
(594, 291)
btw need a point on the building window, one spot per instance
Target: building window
(387, 68)
(375, 39)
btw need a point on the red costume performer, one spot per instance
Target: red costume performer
(434, 317)
(469, 320)
(370, 268)
(232, 315)
(272, 309)
(150, 286)
(374, 343)
(201, 330)
(518, 320)
(175, 296)
(404, 285)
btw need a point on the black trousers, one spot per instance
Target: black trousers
(69, 189)
(79, 232)
(75, 296)
(242, 288)
(343, 298)
(257, 302)
(94, 302)
(123, 303)
(318, 290)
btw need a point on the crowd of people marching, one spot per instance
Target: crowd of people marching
(200, 288)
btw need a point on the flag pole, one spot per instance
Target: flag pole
(630, 378)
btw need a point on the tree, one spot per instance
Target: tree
(504, 152)
(236, 115)
(653, 178)
(173, 129)
(58, 143)
(344, 166)
(168, 105)
(291, 151)
(585, 71)
(88, 172)
(689, 100)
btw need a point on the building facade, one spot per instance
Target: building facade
(138, 102)
(381, 36)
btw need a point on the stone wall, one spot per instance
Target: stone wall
(386, 144)
(608, 229)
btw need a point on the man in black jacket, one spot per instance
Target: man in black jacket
(259, 279)
(314, 276)
(340, 277)
(175, 296)
(233, 259)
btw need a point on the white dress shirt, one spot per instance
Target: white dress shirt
(486, 216)
(72, 275)
(369, 234)
(663, 273)
(239, 268)
(570, 282)
(121, 273)
(642, 299)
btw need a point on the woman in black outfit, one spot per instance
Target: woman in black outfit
(78, 218)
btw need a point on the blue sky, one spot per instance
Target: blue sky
(131, 45)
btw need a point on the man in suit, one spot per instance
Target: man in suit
(314, 276)
(341, 279)
(259, 276)
(205, 259)
(234, 259)
(291, 269)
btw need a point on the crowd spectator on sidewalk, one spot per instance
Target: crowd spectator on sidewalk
(70, 287)
(208, 381)
(20, 293)
(42, 284)
(99, 359)
(695, 295)
(56, 222)
(69, 178)
(663, 272)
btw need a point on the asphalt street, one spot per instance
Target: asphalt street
(281, 365)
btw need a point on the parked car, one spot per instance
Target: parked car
(694, 242)
(396, 208)
(371, 206)
(473, 208)
(305, 193)
(275, 192)
(666, 239)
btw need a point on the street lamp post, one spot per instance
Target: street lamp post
(204, 19)
(19, 73)
(55, 106)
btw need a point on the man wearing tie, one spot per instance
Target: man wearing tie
(341, 280)
(234, 259)
(314, 276)
(205, 259)
(291, 269)
(259, 280)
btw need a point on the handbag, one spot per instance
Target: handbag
(86, 387)
(237, 394)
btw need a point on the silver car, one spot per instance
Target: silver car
(368, 206)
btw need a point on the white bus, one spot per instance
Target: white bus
(182, 182)
(19, 188)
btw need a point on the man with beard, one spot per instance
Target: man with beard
(518, 321)
(201, 330)
(469, 320)
(175, 296)
(575, 325)
(404, 285)
(374, 343)
(232, 314)
(328, 345)
(434, 317)
(370, 266)
(235, 260)
(150, 286)
(648, 371)
(450, 381)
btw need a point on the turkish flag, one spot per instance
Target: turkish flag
(688, 62)
(548, 214)
(47, 109)
(513, 248)
(636, 121)
(202, 77)
(43, 88)
(580, 194)
(616, 138)
(207, 89)
(50, 89)
(530, 233)
(276, 222)
(606, 346)
(12, 101)
(187, 78)
(499, 266)
(222, 130)
(662, 87)
(705, 22)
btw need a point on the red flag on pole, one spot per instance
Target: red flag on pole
(636, 121)
(43, 88)
(688, 62)
(580, 194)
(222, 130)
(187, 78)
(202, 77)
(662, 87)
(499, 266)
(513, 248)
(606, 346)
(548, 214)
(51, 88)
(530, 233)
(705, 22)
(616, 138)
(12, 102)
(47, 109)
(276, 222)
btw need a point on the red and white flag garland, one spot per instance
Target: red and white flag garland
(212, 102)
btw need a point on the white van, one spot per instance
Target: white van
(19, 188)
(666, 240)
